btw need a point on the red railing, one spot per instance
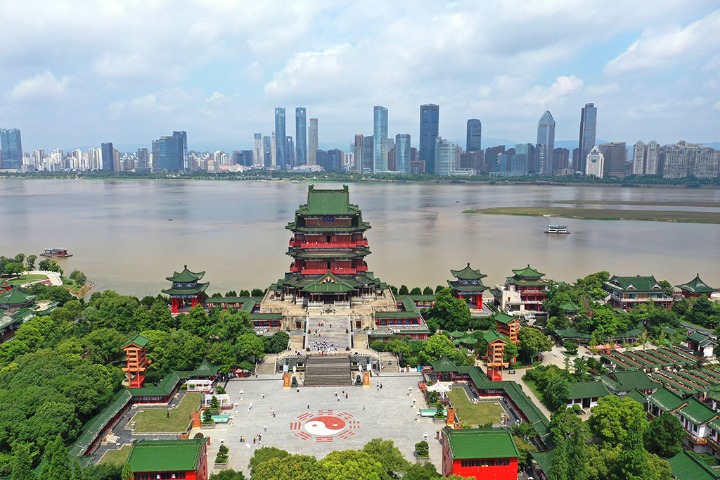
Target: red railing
(300, 244)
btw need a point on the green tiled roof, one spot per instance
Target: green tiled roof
(328, 283)
(206, 369)
(466, 288)
(165, 455)
(421, 298)
(201, 287)
(94, 426)
(503, 317)
(164, 388)
(328, 202)
(570, 307)
(15, 297)
(634, 380)
(696, 286)
(186, 276)
(266, 316)
(139, 340)
(492, 335)
(544, 459)
(697, 412)
(397, 314)
(685, 466)
(480, 443)
(570, 333)
(527, 273)
(700, 339)
(666, 400)
(467, 273)
(637, 283)
(443, 364)
(638, 397)
(587, 390)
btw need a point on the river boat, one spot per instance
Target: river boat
(56, 253)
(557, 229)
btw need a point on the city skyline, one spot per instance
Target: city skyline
(110, 74)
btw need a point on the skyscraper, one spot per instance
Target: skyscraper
(11, 147)
(429, 128)
(313, 141)
(473, 142)
(652, 156)
(595, 163)
(588, 127)
(402, 152)
(170, 153)
(366, 162)
(300, 136)
(280, 138)
(546, 144)
(615, 155)
(289, 152)
(258, 157)
(267, 151)
(445, 156)
(639, 158)
(380, 132)
(143, 158)
(358, 151)
(108, 156)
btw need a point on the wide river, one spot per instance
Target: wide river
(123, 238)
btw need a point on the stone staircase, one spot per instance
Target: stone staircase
(327, 370)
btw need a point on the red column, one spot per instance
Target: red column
(174, 305)
(194, 301)
(478, 300)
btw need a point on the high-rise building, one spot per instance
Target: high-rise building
(545, 143)
(402, 152)
(267, 152)
(313, 141)
(473, 141)
(561, 157)
(445, 156)
(595, 163)
(289, 152)
(429, 131)
(639, 153)
(11, 148)
(108, 156)
(143, 158)
(380, 133)
(258, 157)
(301, 146)
(588, 127)
(366, 162)
(520, 159)
(652, 156)
(280, 160)
(358, 151)
(170, 153)
(615, 155)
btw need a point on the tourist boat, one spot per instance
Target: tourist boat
(56, 253)
(561, 229)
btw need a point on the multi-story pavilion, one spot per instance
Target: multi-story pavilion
(136, 361)
(696, 288)
(328, 248)
(508, 326)
(495, 355)
(185, 288)
(628, 292)
(468, 285)
(524, 292)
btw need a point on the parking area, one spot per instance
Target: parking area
(318, 420)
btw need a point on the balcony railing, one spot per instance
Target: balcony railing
(351, 244)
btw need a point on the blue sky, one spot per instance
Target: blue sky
(78, 73)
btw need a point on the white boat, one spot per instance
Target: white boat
(560, 229)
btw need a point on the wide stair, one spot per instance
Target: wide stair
(328, 370)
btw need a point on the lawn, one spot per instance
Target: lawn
(604, 214)
(152, 419)
(34, 277)
(116, 457)
(474, 413)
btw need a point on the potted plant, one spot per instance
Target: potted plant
(422, 451)
(221, 460)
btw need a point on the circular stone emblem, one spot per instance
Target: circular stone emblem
(325, 425)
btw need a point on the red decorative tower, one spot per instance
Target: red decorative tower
(328, 248)
(185, 287)
(495, 355)
(468, 285)
(135, 361)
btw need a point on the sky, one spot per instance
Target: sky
(77, 73)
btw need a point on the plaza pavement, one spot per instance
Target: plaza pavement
(367, 413)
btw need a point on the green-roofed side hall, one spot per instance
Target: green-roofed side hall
(157, 458)
(482, 453)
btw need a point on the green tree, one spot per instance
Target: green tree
(14, 268)
(263, 454)
(250, 347)
(664, 435)
(423, 471)
(278, 342)
(614, 417)
(532, 342)
(389, 456)
(227, 475)
(349, 465)
(570, 436)
(48, 265)
(633, 462)
(449, 312)
(557, 392)
(127, 473)
(22, 463)
(256, 292)
(30, 262)
(78, 277)
(439, 346)
(293, 467)
(417, 291)
(58, 461)
(104, 345)
(426, 291)
(403, 290)
(511, 352)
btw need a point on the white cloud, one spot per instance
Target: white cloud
(656, 50)
(41, 86)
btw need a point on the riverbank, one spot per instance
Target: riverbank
(678, 216)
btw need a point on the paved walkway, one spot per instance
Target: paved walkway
(313, 421)
(54, 277)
